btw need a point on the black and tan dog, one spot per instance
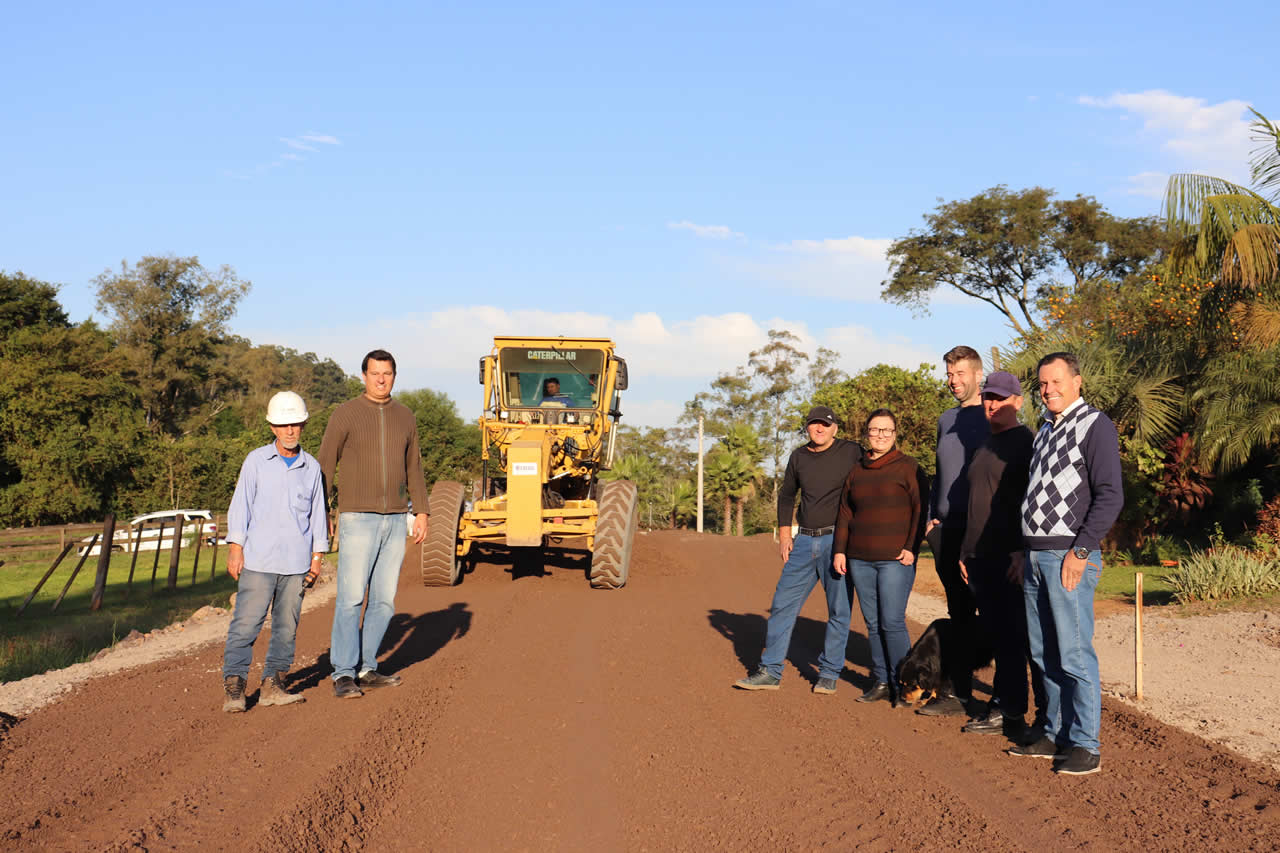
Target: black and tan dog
(922, 674)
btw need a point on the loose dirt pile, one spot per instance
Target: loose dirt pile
(539, 714)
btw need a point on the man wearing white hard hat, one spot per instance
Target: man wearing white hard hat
(277, 532)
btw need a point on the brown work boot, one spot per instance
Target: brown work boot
(273, 692)
(233, 686)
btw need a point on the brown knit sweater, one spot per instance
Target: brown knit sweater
(881, 508)
(376, 447)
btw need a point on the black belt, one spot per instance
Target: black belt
(817, 531)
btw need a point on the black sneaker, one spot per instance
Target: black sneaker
(759, 680)
(990, 723)
(875, 693)
(1079, 762)
(1042, 748)
(346, 688)
(825, 686)
(233, 687)
(374, 679)
(943, 705)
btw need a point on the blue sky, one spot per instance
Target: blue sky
(682, 177)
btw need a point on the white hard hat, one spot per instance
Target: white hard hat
(286, 408)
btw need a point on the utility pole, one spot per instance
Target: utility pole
(699, 473)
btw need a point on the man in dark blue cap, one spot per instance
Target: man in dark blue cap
(992, 558)
(818, 470)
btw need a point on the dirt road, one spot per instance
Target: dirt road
(538, 714)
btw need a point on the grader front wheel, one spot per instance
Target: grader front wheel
(440, 563)
(615, 534)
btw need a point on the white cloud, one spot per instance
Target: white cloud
(712, 232)
(1149, 184)
(845, 268)
(321, 138)
(297, 145)
(1195, 135)
(290, 156)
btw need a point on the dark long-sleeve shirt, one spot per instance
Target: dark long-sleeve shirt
(961, 431)
(818, 477)
(998, 475)
(881, 508)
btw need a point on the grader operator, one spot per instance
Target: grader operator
(549, 427)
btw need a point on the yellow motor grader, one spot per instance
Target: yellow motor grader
(549, 427)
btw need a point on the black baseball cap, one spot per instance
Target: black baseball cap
(1002, 384)
(821, 413)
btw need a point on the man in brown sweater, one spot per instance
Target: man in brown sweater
(374, 440)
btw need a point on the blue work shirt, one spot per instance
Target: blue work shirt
(277, 512)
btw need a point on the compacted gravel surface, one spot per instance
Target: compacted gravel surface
(538, 714)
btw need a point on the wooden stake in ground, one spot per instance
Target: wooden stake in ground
(1137, 636)
(104, 561)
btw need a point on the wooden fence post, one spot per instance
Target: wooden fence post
(104, 561)
(155, 563)
(133, 561)
(174, 552)
(1137, 636)
(56, 560)
(75, 571)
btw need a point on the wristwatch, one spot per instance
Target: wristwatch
(1081, 552)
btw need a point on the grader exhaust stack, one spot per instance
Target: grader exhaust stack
(548, 429)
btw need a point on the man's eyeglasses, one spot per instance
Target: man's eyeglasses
(875, 431)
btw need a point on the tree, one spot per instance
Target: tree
(450, 448)
(27, 302)
(167, 315)
(916, 399)
(730, 475)
(70, 431)
(1005, 248)
(778, 368)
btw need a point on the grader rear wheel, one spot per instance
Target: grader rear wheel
(440, 563)
(615, 534)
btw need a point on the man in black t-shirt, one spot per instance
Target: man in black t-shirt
(818, 470)
(992, 557)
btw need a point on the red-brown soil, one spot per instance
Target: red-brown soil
(539, 714)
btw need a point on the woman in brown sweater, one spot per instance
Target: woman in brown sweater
(877, 537)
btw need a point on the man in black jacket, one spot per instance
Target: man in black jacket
(992, 557)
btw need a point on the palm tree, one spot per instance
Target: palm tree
(683, 501)
(1238, 406)
(728, 474)
(1227, 231)
(1142, 395)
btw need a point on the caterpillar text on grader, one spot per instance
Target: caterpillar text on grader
(549, 427)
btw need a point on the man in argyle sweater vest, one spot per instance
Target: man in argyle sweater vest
(1073, 497)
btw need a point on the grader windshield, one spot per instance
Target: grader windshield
(543, 378)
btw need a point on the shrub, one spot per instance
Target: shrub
(1225, 572)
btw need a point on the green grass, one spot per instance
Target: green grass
(1118, 583)
(41, 639)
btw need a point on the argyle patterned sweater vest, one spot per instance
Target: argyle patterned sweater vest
(1075, 492)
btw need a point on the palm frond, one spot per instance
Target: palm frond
(1264, 166)
(1185, 197)
(1252, 255)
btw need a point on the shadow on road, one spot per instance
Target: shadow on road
(746, 632)
(411, 639)
(532, 562)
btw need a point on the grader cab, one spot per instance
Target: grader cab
(548, 429)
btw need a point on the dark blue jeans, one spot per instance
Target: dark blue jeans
(257, 593)
(883, 588)
(1060, 632)
(808, 565)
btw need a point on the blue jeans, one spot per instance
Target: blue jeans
(883, 587)
(1060, 633)
(371, 549)
(257, 593)
(809, 563)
